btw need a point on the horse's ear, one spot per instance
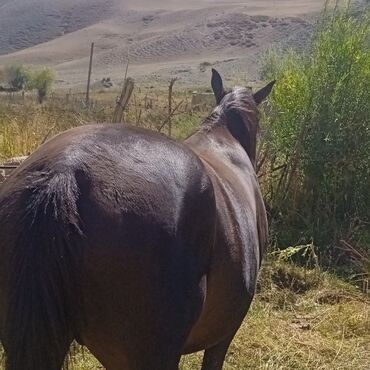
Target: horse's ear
(217, 86)
(262, 94)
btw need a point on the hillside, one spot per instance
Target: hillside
(25, 23)
(162, 37)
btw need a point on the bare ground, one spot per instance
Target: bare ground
(161, 38)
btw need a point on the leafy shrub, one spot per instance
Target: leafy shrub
(318, 136)
(17, 76)
(41, 81)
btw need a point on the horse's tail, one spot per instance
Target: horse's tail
(44, 262)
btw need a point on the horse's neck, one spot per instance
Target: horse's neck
(218, 148)
(240, 211)
(232, 175)
(209, 140)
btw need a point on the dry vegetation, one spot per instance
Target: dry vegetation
(24, 124)
(302, 317)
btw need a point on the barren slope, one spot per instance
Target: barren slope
(161, 37)
(24, 23)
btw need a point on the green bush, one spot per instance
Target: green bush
(318, 136)
(17, 76)
(41, 81)
(2, 75)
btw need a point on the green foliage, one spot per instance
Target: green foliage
(319, 136)
(306, 252)
(17, 76)
(41, 81)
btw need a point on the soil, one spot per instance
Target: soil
(161, 39)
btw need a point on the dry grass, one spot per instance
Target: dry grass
(326, 327)
(300, 319)
(23, 127)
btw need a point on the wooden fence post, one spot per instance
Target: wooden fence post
(170, 88)
(89, 76)
(68, 95)
(123, 100)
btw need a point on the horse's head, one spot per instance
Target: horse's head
(238, 111)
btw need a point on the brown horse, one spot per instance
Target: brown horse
(139, 247)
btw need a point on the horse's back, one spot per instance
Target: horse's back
(145, 213)
(126, 170)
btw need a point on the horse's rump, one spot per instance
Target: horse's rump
(88, 210)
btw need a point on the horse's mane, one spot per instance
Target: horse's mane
(239, 100)
(239, 113)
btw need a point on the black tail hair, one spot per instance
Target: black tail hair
(44, 263)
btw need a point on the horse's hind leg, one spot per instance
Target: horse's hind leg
(214, 357)
(139, 312)
(149, 354)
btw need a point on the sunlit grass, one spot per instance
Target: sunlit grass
(26, 125)
(301, 319)
(327, 327)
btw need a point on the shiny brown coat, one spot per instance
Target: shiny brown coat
(139, 247)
